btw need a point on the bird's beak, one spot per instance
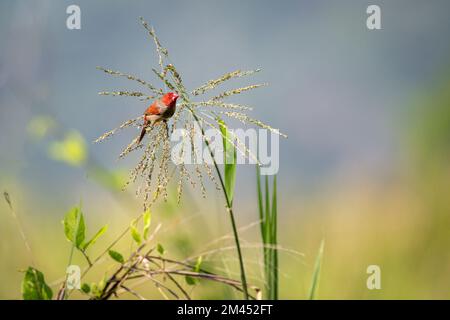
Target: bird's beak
(175, 96)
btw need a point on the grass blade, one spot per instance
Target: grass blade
(316, 274)
(268, 214)
(267, 211)
(229, 156)
(260, 200)
(274, 241)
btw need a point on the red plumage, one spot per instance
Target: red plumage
(161, 109)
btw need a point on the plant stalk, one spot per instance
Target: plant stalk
(229, 204)
(229, 207)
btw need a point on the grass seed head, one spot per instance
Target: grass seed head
(153, 169)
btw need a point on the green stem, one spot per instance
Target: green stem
(229, 204)
(230, 211)
(87, 258)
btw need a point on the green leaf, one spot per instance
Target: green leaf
(116, 256)
(316, 273)
(86, 288)
(135, 233)
(34, 286)
(74, 227)
(147, 221)
(268, 214)
(160, 249)
(94, 289)
(273, 241)
(260, 202)
(190, 281)
(95, 237)
(99, 287)
(198, 264)
(274, 214)
(267, 221)
(229, 160)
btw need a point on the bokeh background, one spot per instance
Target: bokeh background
(366, 165)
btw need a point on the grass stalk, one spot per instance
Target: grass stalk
(268, 215)
(316, 273)
(19, 226)
(229, 207)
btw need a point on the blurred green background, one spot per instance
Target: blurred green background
(366, 165)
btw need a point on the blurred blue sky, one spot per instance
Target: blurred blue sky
(337, 89)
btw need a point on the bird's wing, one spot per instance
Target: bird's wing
(153, 109)
(156, 108)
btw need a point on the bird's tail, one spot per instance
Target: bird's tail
(143, 132)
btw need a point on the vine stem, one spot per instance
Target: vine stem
(229, 207)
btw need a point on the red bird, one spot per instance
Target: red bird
(161, 109)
